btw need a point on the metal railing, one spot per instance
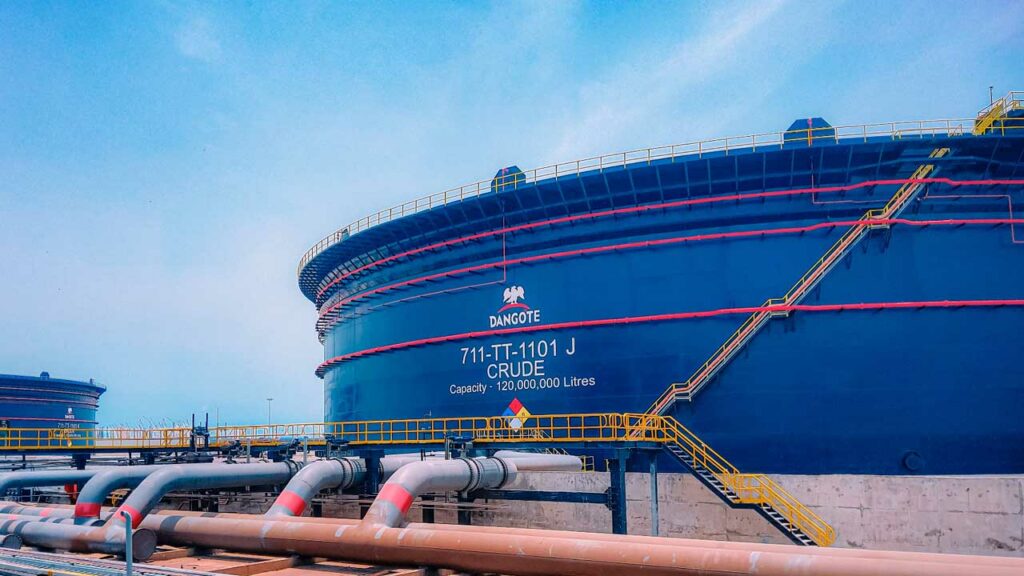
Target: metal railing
(753, 142)
(29, 439)
(753, 489)
(542, 429)
(551, 428)
(996, 111)
(760, 490)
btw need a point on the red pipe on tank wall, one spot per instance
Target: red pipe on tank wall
(671, 316)
(667, 205)
(324, 321)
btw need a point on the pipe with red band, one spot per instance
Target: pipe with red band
(292, 501)
(396, 495)
(87, 509)
(332, 473)
(136, 516)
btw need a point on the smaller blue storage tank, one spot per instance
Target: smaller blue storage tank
(45, 402)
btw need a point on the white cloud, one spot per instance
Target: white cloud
(705, 84)
(197, 39)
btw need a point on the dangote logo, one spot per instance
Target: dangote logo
(512, 297)
(514, 312)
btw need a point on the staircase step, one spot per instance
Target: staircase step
(733, 499)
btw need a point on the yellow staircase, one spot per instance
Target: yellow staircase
(871, 219)
(995, 116)
(756, 491)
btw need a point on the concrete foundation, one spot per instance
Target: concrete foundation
(970, 515)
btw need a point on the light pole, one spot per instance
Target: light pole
(269, 400)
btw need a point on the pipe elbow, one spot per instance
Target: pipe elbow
(337, 473)
(417, 478)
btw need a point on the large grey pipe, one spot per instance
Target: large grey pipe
(534, 461)
(196, 477)
(40, 478)
(416, 478)
(165, 522)
(45, 534)
(96, 490)
(308, 482)
(392, 462)
(110, 538)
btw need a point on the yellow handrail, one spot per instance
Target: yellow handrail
(754, 489)
(543, 428)
(997, 110)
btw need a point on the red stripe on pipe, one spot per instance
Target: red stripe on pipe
(665, 317)
(292, 501)
(666, 205)
(397, 495)
(135, 514)
(661, 242)
(87, 510)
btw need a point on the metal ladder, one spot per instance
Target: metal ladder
(875, 218)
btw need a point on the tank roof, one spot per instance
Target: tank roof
(469, 206)
(45, 378)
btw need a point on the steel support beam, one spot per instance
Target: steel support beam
(653, 456)
(544, 496)
(617, 492)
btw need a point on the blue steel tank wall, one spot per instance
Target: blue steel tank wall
(44, 402)
(894, 391)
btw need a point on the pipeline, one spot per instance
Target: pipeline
(156, 520)
(39, 478)
(110, 537)
(415, 478)
(307, 482)
(199, 476)
(89, 539)
(96, 490)
(543, 553)
(536, 462)
(334, 474)
(517, 551)
(410, 480)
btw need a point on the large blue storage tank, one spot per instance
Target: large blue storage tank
(594, 289)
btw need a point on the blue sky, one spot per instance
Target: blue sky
(163, 166)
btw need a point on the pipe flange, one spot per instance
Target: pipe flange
(293, 467)
(475, 474)
(508, 471)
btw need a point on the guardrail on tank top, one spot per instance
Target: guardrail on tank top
(993, 118)
(990, 120)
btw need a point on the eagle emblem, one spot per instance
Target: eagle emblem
(513, 294)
